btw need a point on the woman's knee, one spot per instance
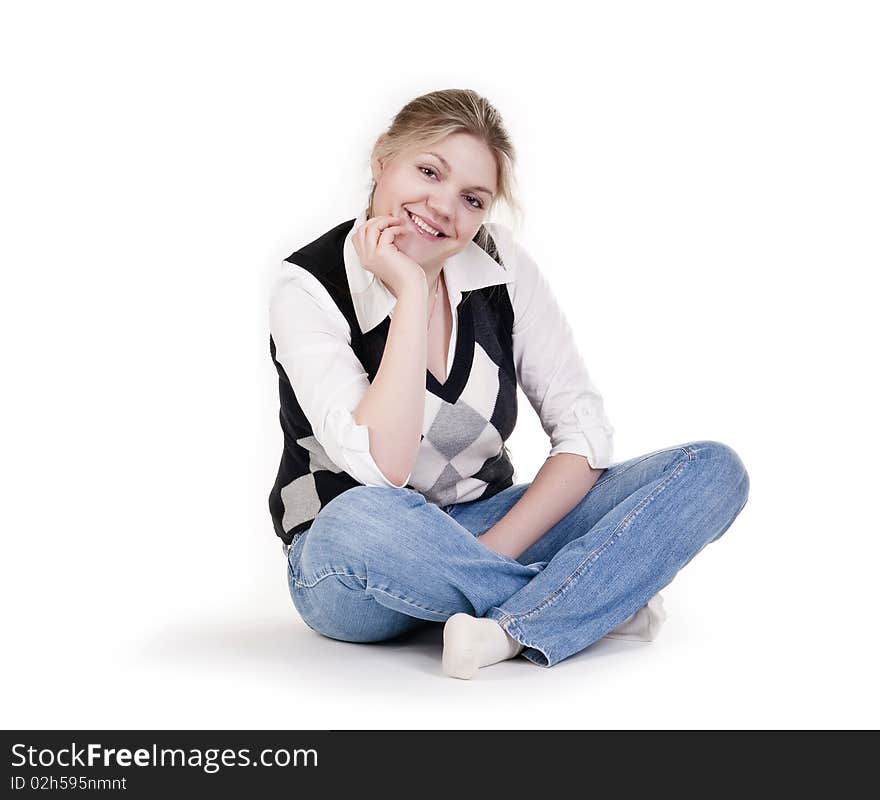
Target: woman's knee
(361, 520)
(727, 468)
(364, 503)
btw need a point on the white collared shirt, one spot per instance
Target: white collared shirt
(313, 343)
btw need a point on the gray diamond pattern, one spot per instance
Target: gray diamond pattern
(455, 428)
(445, 491)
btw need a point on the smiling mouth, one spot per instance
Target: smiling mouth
(423, 232)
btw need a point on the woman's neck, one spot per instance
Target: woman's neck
(432, 276)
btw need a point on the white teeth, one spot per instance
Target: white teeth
(423, 225)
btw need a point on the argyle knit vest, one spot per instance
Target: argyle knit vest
(467, 418)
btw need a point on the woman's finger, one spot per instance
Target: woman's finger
(371, 231)
(387, 235)
(380, 223)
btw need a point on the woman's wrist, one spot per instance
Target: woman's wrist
(415, 289)
(493, 543)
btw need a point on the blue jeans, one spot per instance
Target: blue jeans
(378, 562)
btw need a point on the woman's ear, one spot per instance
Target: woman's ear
(376, 165)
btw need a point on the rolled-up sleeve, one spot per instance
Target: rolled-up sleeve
(313, 346)
(551, 371)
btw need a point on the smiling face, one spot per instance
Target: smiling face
(449, 186)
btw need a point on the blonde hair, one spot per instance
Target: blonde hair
(431, 117)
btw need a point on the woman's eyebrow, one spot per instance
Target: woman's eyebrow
(446, 166)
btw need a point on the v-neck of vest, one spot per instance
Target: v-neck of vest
(462, 362)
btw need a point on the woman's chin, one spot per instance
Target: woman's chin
(406, 247)
(411, 241)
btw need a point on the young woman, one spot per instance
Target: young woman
(400, 338)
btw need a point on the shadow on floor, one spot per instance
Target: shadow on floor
(295, 652)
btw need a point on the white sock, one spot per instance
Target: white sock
(644, 624)
(473, 642)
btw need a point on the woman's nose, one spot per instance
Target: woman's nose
(440, 208)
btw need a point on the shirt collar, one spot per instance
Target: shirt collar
(472, 268)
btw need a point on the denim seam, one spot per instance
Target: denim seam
(691, 454)
(592, 557)
(304, 585)
(411, 602)
(509, 623)
(532, 659)
(300, 584)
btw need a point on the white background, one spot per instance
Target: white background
(701, 188)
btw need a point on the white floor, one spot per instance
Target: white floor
(249, 662)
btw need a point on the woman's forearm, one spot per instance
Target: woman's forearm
(561, 483)
(393, 408)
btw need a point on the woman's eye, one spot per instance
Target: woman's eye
(479, 204)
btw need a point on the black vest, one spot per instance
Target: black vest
(485, 317)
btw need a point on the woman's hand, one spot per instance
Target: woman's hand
(374, 243)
